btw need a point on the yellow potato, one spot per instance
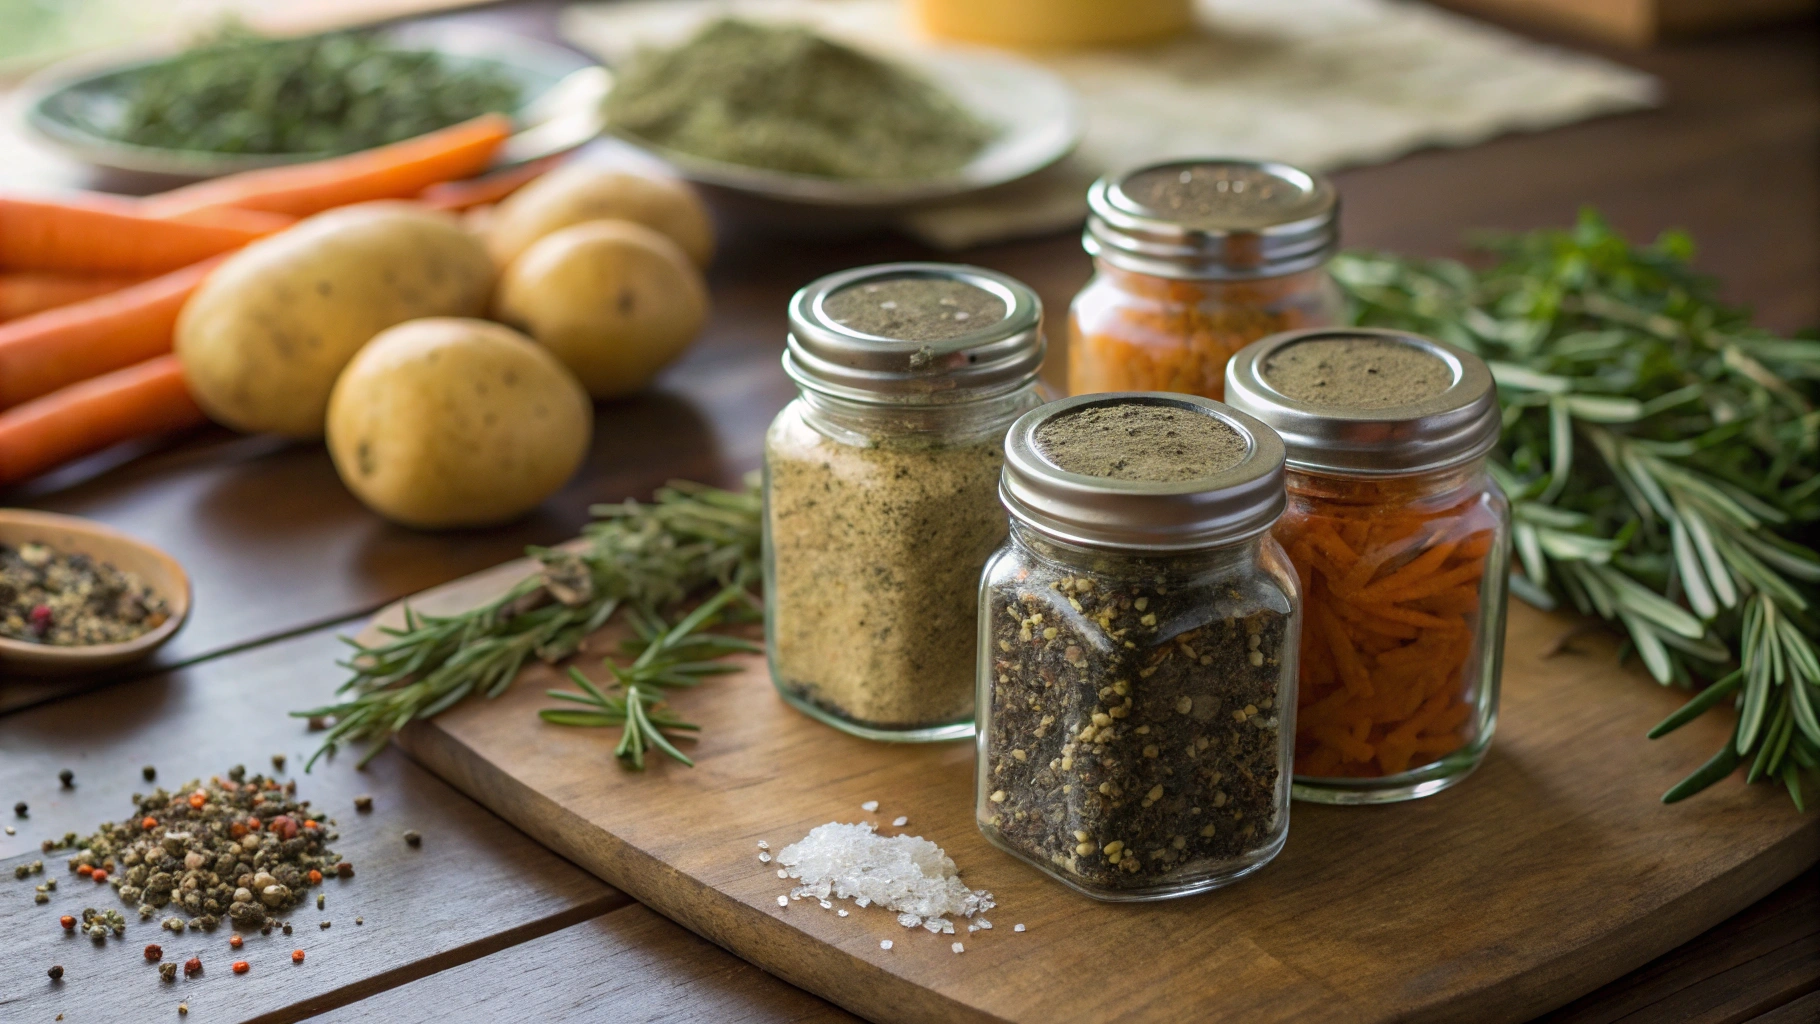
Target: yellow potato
(615, 301)
(577, 192)
(265, 336)
(447, 422)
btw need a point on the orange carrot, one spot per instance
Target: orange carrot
(102, 237)
(56, 348)
(398, 171)
(468, 193)
(23, 294)
(141, 400)
(262, 221)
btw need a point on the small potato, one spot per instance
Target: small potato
(263, 339)
(577, 192)
(446, 422)
(615, 301)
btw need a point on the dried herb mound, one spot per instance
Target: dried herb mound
(240, 847)
(1134, 730)
(786, 99)
(336, 93)
(72, 600)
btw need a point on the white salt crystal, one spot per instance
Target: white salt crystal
(908, 874)
(972, 928)
(862, 902)
(900, 821)
(842, 913)
(884, 944)
(869, 806)
(781, 873)
(909, 920)
(983, 925)
(763, 845)
(826, 905)
(783, 901)
(1017, 927)
(958, 948)
(764, 858)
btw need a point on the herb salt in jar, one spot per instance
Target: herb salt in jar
(1138, 636)
(881, 490)
(1193, 260)
(1401, 540)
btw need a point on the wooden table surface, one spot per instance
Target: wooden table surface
(481, 923)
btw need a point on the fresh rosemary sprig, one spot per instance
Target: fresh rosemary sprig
(664, 657)
(1663, 460)
(644, 558)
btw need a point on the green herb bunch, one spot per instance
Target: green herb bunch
(1662, 456)
(644, 558)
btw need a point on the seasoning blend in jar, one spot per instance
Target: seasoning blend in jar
(881, 486)
(1401, 540)
(1137, 648)
(1194, 260)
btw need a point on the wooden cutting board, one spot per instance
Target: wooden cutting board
(1551, 871)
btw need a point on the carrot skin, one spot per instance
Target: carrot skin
(56, 348)
(103, 236)
(456, 196)
(138, 401)
(25, 293)
(397, 171)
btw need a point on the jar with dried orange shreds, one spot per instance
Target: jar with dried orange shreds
(1194, 260)
(1401, 539)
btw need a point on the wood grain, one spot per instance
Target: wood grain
(1551, 872)
(627, 965)
(475, 886)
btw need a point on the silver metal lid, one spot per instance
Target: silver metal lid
(1447, 422)
(1213, 219)
(1239, 501)
(943, 332)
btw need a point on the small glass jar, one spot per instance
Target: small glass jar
(1193, 260)
(1137, 646)
(1401, 540)
(881, 484)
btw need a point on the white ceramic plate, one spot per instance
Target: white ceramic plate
(69, 106)
(1035, 112)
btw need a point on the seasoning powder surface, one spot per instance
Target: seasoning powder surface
(1356, 373)
(1141, 441)
(914, 308)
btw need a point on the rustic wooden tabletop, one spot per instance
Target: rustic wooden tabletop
(480, 922)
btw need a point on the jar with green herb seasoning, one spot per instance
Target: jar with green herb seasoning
(881, 490)
(1401, 540)
(1137, 648)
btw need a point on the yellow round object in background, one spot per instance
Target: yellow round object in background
(447, 422)
(578, 192)
(1055, 23)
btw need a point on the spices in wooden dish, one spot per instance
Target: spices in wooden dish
(1135, 723)
(71, 600)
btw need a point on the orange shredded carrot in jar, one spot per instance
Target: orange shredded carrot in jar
(1135, 332)
(1392, 651)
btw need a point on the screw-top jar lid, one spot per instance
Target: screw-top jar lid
(914, 333)
(1213, 219)
(1145, 471)
(1367, 401)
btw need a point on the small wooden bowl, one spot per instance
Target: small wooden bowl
(70, 535)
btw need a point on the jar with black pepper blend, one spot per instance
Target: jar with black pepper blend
(1193, 260)
(1138, 636)
(881, 486)
(1402, 542)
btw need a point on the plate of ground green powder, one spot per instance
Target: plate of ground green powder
(779, 111)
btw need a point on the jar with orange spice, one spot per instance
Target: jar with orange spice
(1194, 260)
(1402, 542)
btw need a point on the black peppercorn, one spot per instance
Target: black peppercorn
(21, 809)
(67, 777)
(56, 972)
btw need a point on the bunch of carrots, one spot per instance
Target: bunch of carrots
(1392, 653)
(91, 286)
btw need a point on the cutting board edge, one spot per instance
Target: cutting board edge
(713, 915)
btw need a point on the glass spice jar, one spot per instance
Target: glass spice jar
(1401, 540)
(880, 490)
(1193, 260)
(1137, 648)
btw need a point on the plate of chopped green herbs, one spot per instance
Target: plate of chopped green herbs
(237, 100)
(779, 112)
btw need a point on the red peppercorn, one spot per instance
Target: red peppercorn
(284, 827)
(235, 941)
(296, 956)
(344, 870)
(154, 952)
(149, 823)
(67, 922)
(193, 965)
(241, 966)
(99, 876)
(41, 619)
(315, 877)
(85, 870)
(252, 823)
(198, 798)
(310, 823)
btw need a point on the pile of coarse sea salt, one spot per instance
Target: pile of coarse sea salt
(908, 874)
